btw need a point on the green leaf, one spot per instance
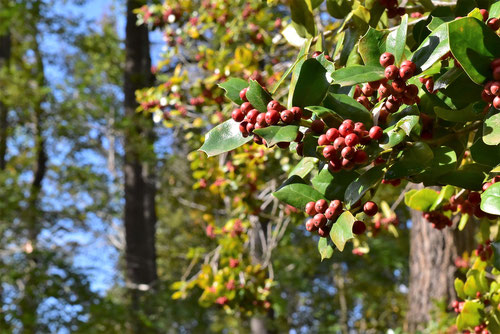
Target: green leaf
(459, 288)
(470, 315)
(409, 194)
(223, 138)
(325, 248)
(468, 176)
(362, 184)
(355, 74)
(446, 79)
(475, 282)
(331, 118)
(333, 185)
(496, 254)
(303, 18)
(482, 153)
(470, 113)
(396, 134)
(432, 48)
(464, 219)
(445, 160)
(341, 231)
(310, 144)
(396, 41)
(437, 21)
(312, 84)
(474, 45)
(297, 193)
(491, 128)
(304, 167)
(495, 10)
(371, 46)
(233, 86)
(301, 58)
(257, 96)
(348, 108)
(276, 134)
(328, 65)
(444, 195)
(422, 200)
(413, 160)
(339, 8)
(490, 199)
(462, 92)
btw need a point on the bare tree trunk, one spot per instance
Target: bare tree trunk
(432, 267)
(140, 191)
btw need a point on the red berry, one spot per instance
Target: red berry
(359, 128)
(398, 86)
(237, 115)
(323, 232)
(317, 126)
(352, 139)
(486, 185)
(274, 105)
(300, 149)
(319, 220)
(496, 102)
(299, 137)
(495, 63)
(379, 161)
(360, 157)
(261, 119)
(493, 24)
(252, 116)
(316, 54)
(429, 85)
(495, 88)
(332, 134)
(345, 129)
(272, 117)
(246, 107)
(367, 90)
(488, 98)
(310, 225)
(310, 208)
(330, 213)
(339, 143)
(485, 14)
(386, 59)
(321, 206)
(243, 129)
(376, 132)
(323, 140)
(347, 152)
(283, 144)
(384, 91)
(297, 112)
(334, 165)
(396, 182)
(348, 121)
(496, 73)
(347, 164)
(474, 197)
(370, 208)
(287, 116)
(409, 64)
(405, 72)
(329, 152)
(358, 227)
(391, 72)
(243, 94)
(250, 127)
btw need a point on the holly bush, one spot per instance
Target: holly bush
(386, 96)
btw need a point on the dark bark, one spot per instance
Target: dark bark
(139, 164)
(432, 267)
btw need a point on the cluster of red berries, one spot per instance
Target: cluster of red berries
(318, 53)
(344, 146)
(394, 183)
(324, 216)
(393, 8)
(491, 91)
(250, 118)
(493, 23)
(437, 219)
(484, 251)
(469, 205)
(457, 306)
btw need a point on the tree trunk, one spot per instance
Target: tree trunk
(432, 267)
(139, 164)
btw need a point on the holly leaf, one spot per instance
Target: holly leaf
(331, 118)
(341, 231)
(258, 96)
(348, 108)
(413, 160)
(233, 87)
(444, 195)
(470, 315)
(223, 138)
(397, 133)
(312, 84)
(333, 185)
(303, 18)
(469, 176)
(483, 153)
(490, 199)
(362, 184)
(325, 248)
(432, 48)
(371, 46)
(355, 74)
(469, 113)
(297, 193)
(276, 134)
(396, 41)
(304, 167)
(474, 45)
(422, 200)
(491, 128)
